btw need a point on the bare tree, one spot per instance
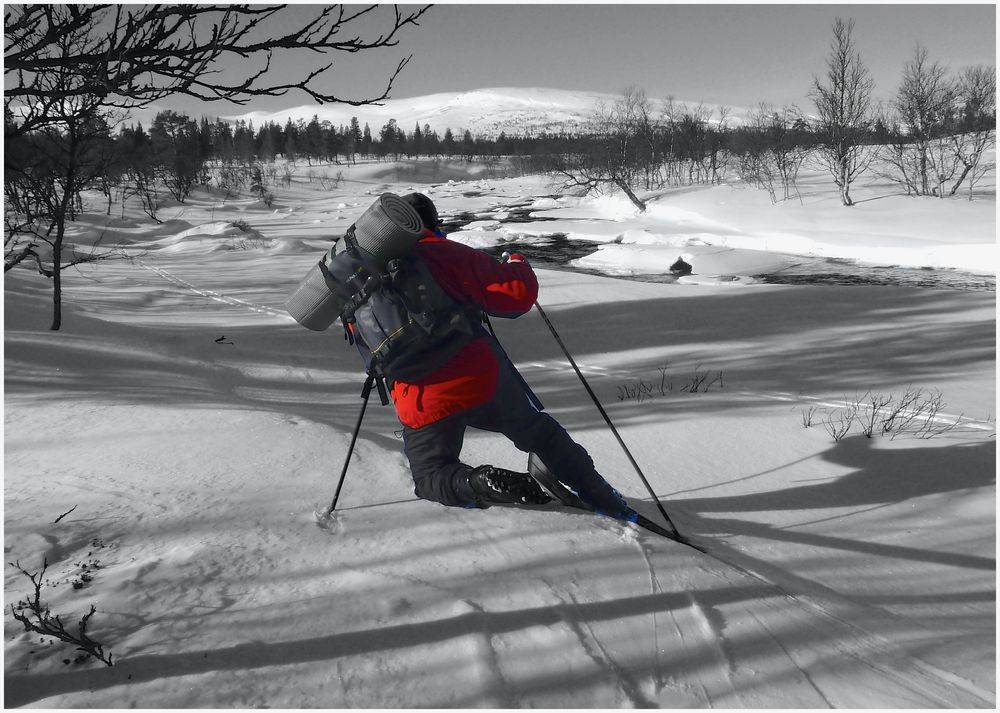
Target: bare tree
(177, 156)
(843, 104)
(717, 146)
(70, 67)
(48, 168)
(618, 150)
(51, 168)
(691, 140)
(771, 148)
(790, 144)
(924, 105)
(895, 151)
(670, 142)
(750, 146)
(977, 91)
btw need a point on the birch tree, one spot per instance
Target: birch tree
(977, 91)
(925, 108)
(843, 99)
(617, 151)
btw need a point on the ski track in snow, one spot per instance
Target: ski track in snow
(496, 693)
(792, 659)
(934, 686)
(828, 609)
(213, 295)
(654, 589)
(690, 622)
(714, 638)
(596, 651)
(630, 689)
(477, 645)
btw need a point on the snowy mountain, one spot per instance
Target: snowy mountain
(514, 110)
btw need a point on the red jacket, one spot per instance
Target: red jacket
(469, 378)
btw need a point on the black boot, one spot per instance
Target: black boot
(603, 499)
(493, 485)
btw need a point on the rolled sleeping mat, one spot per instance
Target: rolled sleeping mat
(313, 303)
(389, 228)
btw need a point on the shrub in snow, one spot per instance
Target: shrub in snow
(918, 413)
(838, 423)
(640, 390)
(37, 617)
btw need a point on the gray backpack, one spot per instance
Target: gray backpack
(402, 321)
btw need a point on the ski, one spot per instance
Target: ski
(567, 497)
(644, 522)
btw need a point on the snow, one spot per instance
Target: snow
(196, 428)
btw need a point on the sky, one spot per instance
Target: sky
(731, 54)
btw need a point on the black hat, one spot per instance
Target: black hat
(425, 209)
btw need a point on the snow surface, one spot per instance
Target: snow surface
(195, 429)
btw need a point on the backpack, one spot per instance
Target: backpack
(402, 321)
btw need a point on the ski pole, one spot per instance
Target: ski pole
(365, 393)
(607, 419)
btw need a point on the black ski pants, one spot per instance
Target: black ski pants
(434, 450)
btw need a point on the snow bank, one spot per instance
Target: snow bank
(480, 238)
(939, 234)
(652, 259)
(216, 236)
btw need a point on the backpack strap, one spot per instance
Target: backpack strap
(383, 395)
(359, 297)
(376, 380)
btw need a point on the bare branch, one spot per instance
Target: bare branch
(40, 619)
(130, 56)
(65, 514)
